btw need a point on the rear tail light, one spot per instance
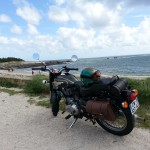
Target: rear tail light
(125, 104)
(132, 96)
(136, 92)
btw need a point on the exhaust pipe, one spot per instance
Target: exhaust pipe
(139, 118)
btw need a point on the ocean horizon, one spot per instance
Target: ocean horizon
(127, 65)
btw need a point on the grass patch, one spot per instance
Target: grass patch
(10, 92)
(31, 101)
(144, 111)
(35, 86)
(8, 84)
(62, 105)
(143, 87)
(44, 103)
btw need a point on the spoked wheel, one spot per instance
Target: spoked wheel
(123, 124)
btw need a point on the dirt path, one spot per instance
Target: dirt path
(28, 127)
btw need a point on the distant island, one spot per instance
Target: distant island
(9, 59)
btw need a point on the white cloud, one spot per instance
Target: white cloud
(58, 15)
(32, 29)
(144, 32)
(60, 2)
(4, 18)
(11, 41)
(3, 40)
(99, 16)
(73, 38)
(83, 42)
(16, 29)
(29, 13)
(97, 28)
(85, 14)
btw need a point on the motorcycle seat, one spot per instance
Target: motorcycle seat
(103, 84)
(108, 81)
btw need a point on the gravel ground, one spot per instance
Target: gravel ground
(28, 127)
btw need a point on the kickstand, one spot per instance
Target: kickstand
(73, 123)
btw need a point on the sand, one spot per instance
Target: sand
(28, 75)
(29, 127)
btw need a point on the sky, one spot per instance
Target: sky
(58, 29)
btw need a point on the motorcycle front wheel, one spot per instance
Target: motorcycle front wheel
(123, 124)
(55, 98)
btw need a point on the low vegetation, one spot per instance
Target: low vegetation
(45, 103)
(143, 87)
(8, 84)
(10, 91)
(9, 59)
(36, 88)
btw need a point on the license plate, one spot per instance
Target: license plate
(134, 106)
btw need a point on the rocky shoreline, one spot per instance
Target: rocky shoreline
(27, 64)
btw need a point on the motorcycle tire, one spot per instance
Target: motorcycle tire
(55, 98)
(126, 129)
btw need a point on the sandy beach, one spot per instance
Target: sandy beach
(29, 127)
(27, 75)
(15, 74)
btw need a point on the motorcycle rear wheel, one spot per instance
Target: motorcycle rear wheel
(123, 124)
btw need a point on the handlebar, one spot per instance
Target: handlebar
(65, 68)
(41, 68)
(68, 69)
(36, 68)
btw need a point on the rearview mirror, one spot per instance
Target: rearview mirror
(36, 56)
(74, 58)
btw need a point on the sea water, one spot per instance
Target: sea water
(133, 65)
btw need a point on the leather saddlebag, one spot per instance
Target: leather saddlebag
(119, 86)
(102, 108)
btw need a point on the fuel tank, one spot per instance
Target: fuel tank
(67, 78)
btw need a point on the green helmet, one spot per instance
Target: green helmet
(89, 75)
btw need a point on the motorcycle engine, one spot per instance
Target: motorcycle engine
(72, 107)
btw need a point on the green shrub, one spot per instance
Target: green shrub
(143, 87)
(36, 87)
(8, 84)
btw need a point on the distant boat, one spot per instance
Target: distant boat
(107, 57)
(115, 57)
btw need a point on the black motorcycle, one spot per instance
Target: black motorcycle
(110, 102)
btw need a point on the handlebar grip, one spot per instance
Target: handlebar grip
(66, 68)
(36, 68)
(42, 69)
(73, 69)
